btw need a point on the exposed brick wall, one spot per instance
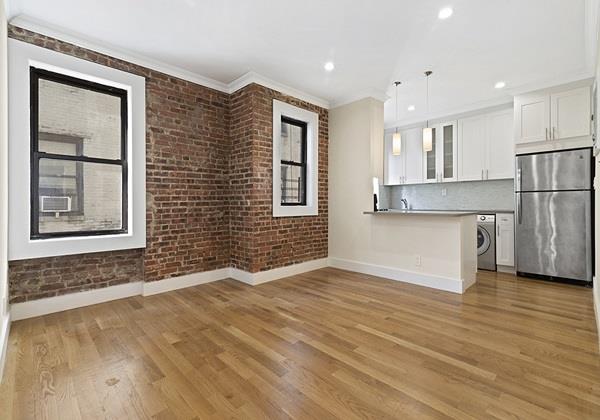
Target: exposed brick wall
(187, 146)
(47, 277)
(209, 188)
(259, 241)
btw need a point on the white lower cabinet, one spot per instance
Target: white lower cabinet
(505, 239)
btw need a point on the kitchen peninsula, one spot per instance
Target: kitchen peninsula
(440, 245)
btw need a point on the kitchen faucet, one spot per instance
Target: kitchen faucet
(404, 203)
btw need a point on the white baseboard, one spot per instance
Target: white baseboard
(4, 332)
(506, 269)
(188, 280)
(437, 282)
(61, 303)
(255, 279)
(91, 297)
(596, 296)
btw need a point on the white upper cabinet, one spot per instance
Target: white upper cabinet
(532, 119)
(448, 151)
(570, 113)
(439, 164)
(500, 147)
(556, 115)
(393, 166)
(472, 148)
(406, 168)
(413, 152)
(485, 147)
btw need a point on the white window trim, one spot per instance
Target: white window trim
(21, 57)
(312, 160)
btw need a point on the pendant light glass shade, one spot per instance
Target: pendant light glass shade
(428, 139)
(396, 137)
(396, 144)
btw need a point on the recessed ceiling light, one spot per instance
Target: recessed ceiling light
(445, 13)
(411, 107)
(329, 66)
(499, 85)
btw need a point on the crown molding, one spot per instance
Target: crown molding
(374, 93)
(253, 77)
(449, 112)
(43, 28)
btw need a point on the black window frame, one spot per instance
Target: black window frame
(78, 142)
(303, 164)
(35, 74)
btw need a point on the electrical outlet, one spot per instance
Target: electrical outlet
(444, 192)
(418, 261)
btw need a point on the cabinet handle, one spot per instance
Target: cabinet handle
(482, 174)
(546, 133)
(498, 230)
(487, 174)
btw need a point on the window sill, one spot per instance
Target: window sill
(295, 211)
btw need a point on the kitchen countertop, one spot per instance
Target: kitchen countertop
(411, 212)
(480, 211)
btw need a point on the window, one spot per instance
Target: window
(78, 156)
(61, 183)
(293, 162)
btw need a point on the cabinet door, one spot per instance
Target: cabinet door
(430, 160)
(413, 152)
(532, 119)
(505, 239)
(571, 113)
(500, 146)
(471, 148)
(393, 166)
(449, 151)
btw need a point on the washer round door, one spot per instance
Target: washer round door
(483, 240)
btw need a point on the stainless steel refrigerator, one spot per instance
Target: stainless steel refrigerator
(554, 215)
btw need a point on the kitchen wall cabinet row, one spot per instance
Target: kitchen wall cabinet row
(468, 149)
(553, 115)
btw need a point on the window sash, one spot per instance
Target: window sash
(36, 155)
(303, 164)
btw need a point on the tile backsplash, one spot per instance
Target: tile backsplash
(473, 195)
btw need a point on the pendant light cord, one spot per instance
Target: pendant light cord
(397, 83)
(427, 97)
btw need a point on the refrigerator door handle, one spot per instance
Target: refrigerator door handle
(519, 212)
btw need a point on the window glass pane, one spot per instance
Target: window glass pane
(79, 196)
(448, 152)
(82, 113)
(292, 184)
(291, 142)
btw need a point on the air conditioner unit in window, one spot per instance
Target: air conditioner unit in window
(52, 204)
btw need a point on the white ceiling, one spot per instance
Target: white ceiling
(527, 43)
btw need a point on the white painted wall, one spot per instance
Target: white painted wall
(4, 314)
(387, 245)
(597, 200)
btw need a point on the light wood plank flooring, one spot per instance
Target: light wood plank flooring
(326, 344)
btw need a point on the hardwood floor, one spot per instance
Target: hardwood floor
(326, 344)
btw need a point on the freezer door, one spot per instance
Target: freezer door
(568, 170)
(553, 234)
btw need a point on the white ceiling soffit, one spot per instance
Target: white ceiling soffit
(224, 44)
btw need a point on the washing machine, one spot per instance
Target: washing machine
(486, 242)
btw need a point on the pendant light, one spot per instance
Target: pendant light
(427, 131)
(396, 138)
